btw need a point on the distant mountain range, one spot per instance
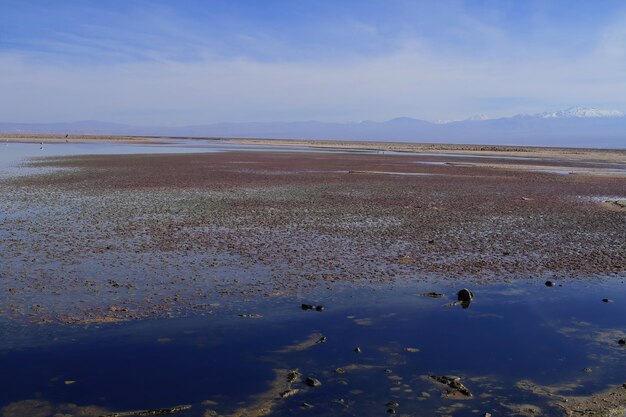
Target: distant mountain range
(576, 127)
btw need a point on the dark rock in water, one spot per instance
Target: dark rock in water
(306, 405)
(550, 284)
(393, 404)
(621, 342)
(606, 300)
(114, 284)
(388, 371)
(587, 369)
(454, 383)
(391, 411)
(251, 316)
(312, 307)
(292, 376)
(486, 414)
(431, 295)
(340, 371)
(312, 382)
(357, 349)
(340, 401)
(322, 339)
(465, 295)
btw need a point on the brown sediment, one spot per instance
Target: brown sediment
(610, 403)
(261, 224)
(526, 410)
(264, 403)
(352, 367)
(307, 343)
(42, 408)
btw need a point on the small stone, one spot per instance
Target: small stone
(306, 405)
(340, 371)
(251, 316)
(307, 307)
(322, 339)
(292, 376)
(431, 295)
(621, 342)
(391, 411)
(411, 349)
(312, 382)
(393, 404)
(550, 284)
(606, 300)
(486, 414)
(319, 308)
(587, 369)
(357, 349)
(388, 371)
(465, 295)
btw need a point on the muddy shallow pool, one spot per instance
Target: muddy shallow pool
(513, 344)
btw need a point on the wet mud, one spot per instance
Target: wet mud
(122, 237)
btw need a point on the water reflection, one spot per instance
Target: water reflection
(515, 341)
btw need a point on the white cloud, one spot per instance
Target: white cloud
(412, 81)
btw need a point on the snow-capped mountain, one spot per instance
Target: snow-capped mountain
(580, 112)
(577, 127)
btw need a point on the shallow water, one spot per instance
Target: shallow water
(510, 333)
(12, 153)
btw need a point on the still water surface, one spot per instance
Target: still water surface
(219, 361)
(509, 333)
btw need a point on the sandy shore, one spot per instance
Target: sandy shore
(579, 154)
(47, 138)
(607, 155)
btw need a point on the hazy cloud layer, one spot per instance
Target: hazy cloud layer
(202, 62)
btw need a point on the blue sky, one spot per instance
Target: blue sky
(194, 62)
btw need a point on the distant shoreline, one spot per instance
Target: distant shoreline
(596, 154)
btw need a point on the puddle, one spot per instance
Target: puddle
(509, 335)
(418, 174)
(581, 171)
(12, 153)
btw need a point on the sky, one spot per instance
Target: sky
(187, 62)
